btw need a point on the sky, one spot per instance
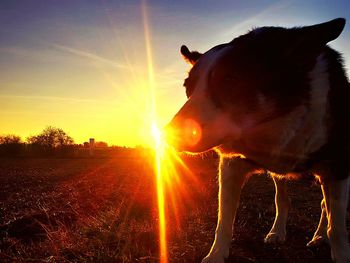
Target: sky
(82, 65)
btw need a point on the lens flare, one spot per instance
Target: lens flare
(159, 153)
(168, 166)
(192, 132)
(158, 143)
(167, 163)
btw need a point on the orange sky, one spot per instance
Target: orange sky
(82, 66)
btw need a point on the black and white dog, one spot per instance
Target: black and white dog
(276, 100)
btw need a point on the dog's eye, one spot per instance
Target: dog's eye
(189, 91)
(189, 88)
(231, 78)
(185, 82)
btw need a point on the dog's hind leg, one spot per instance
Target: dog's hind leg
(232, 175)
(336, 194)
(277, 233)
(320, 235)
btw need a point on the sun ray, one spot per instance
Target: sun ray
(156, 133)
(168, 165)
(159, 150)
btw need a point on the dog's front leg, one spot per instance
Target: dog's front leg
(277, 233)
(320, 235)
(231, 178)
(336, 194)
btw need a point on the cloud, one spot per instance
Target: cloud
(90, 56)
(23, 52)
(55, 98)
(256, 19)
(49, 54)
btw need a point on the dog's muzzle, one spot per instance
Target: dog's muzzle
(183, 134)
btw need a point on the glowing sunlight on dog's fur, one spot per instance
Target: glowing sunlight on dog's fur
(274, 100)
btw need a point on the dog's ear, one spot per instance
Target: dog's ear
(305, 44)
(325, 32)
(190, 56)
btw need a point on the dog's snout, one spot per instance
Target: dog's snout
(192, 132)
(183, 133)
(170, 134)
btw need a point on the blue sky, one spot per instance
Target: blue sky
(80, 65)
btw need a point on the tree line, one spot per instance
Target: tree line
(51, 141)
(54, 142)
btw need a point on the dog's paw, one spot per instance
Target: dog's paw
(214, 258)
(275, 237)
(317, 241)
(342, 256)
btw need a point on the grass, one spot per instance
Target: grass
(105, 210)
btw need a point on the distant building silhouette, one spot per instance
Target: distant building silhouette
(91, 146)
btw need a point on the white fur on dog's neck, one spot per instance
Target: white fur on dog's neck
(308, 129)
(320, 86)
(282, 143)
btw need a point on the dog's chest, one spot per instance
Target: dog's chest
(282, 143)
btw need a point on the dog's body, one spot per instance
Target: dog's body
(275, 100)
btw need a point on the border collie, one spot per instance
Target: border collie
(273, 100)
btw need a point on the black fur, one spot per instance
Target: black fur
(190, 56)
(335, 154)
(276, 62)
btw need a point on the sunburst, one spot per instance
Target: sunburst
(158, 144)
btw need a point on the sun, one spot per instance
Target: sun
(157, 135)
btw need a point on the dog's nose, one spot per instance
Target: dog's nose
(171, 135)
(192, 132)
(183, 134)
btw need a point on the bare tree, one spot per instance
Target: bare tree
(51, 137)
(11, 145)
(10, 139)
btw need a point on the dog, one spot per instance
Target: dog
(274, 99)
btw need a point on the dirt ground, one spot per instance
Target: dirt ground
(105, 210)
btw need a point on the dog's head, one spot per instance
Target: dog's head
(256, 77)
